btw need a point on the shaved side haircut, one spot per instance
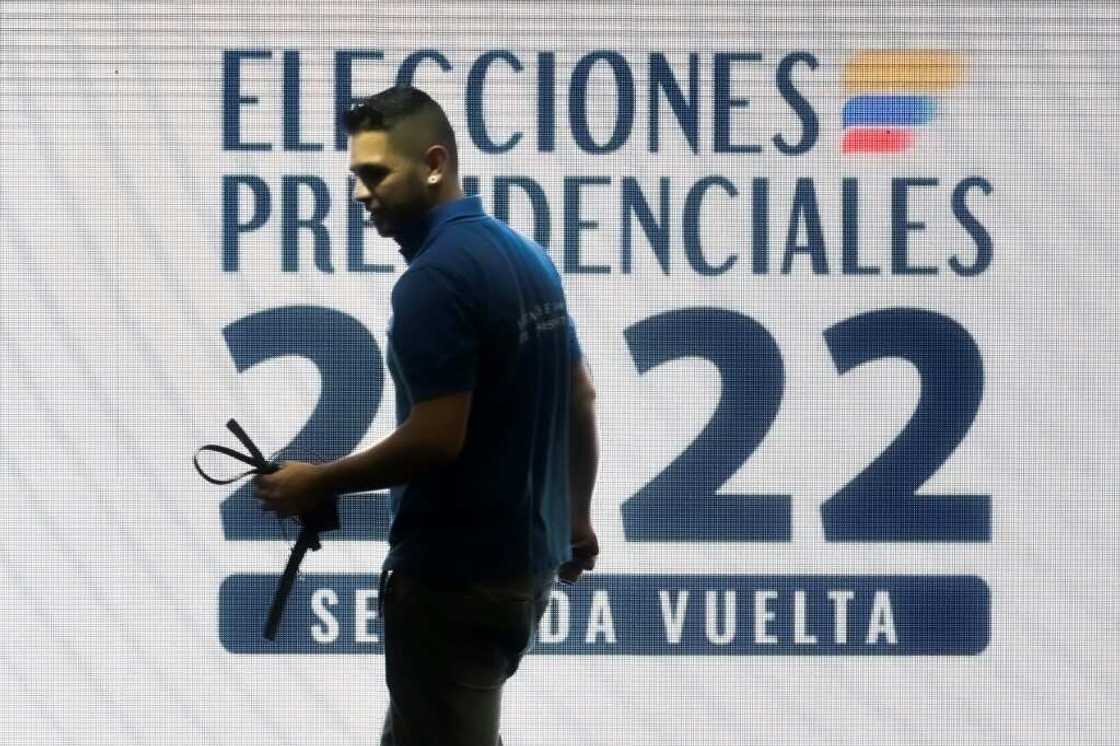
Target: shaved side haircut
(411, 118)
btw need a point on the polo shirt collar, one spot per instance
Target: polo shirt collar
(414, 238)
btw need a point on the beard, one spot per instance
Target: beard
(381, 223)
(388, 222)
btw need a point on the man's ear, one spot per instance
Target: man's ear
(437, 159)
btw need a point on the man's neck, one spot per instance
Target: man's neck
(411, 237)
(450, 192)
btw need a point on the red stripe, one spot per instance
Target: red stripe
(877, 140)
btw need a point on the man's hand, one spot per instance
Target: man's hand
(294, 489)
(585, 550)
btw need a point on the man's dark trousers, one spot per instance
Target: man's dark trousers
(448, 651)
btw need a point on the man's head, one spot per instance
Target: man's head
(403, 153)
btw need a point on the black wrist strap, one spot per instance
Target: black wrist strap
(260, 464)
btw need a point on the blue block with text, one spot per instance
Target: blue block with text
(629, 614)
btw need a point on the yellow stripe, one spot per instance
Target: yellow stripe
(893, 70)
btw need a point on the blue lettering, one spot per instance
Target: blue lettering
(723, 101)
(901, 226)
(232, 227)
(850, 201)
(574, 224)
(476, 123)
(657, 232)
(290, 222)
(760, 234)
(291, 104)
(978, 232)
(624, 96)
(805, 210)
(661, 78)
(797, 102)
(692, 249)
(546, 102)
(232, 98)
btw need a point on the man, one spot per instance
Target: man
(494, 458)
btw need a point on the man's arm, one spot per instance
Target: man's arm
(583, 455)
(429, 439)
(583, 444)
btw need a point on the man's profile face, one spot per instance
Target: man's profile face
(389, 183)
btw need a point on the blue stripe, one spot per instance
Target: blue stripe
(888, 110)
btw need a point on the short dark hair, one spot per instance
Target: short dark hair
(385, 110)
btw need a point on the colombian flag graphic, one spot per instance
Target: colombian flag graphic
(892, 93)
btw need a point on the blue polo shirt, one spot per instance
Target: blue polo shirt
(481, 308)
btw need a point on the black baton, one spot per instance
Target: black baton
(322, 518)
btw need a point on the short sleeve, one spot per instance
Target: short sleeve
(573, 342)
(433, 334)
